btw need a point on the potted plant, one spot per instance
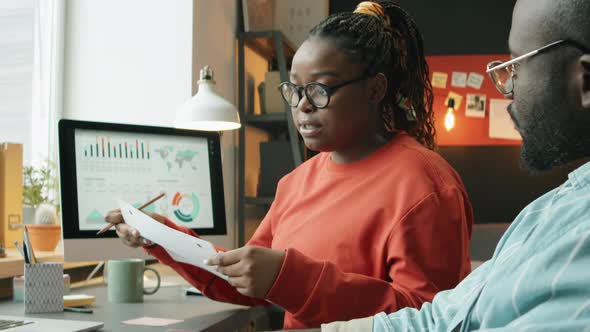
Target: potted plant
(40, 194)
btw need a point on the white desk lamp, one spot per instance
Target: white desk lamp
(206, 110)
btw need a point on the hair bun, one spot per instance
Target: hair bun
(375, 9)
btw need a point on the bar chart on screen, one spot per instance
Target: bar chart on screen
(103, 148)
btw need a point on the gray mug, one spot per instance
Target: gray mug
(125, 280)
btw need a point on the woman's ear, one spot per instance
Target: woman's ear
(378, 88)
(585, 93)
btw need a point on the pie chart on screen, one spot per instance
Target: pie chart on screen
(186, 207)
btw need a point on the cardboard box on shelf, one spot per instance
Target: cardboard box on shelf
(11, 193)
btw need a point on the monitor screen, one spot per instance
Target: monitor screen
(102, 163)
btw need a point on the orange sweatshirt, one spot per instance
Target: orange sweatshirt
(380, 234)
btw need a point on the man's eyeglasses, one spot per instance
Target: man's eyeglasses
(502, 73)
(317, 94)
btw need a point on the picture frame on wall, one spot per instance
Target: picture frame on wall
(296, 18)
(258, 15)
(293, 18)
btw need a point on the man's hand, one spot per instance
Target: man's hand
(129, 235)
(251, 270)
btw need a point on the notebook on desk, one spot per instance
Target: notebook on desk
(32, 324)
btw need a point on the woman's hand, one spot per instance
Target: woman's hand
(251, 270)
(129, 235)
(307, 330)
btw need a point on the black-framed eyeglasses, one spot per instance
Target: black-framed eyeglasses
(502, 73)
(317, 94)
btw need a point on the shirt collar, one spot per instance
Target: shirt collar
(580, 177)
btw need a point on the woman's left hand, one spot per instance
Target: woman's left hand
(251, 270)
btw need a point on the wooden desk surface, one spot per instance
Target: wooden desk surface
(197, 313)
(13, 264)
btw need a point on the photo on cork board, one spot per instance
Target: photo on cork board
(475, 106)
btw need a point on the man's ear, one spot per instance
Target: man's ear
(378, 88)
(585, 93)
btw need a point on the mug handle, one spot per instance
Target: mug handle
(150, 292)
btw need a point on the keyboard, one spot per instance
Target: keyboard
(8, 324)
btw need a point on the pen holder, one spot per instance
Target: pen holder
(18, 287)
(44, 288)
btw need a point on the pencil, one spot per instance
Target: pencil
(19, 248)
(29, 248)
(107, 227)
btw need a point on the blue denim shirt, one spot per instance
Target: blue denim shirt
(537, 280)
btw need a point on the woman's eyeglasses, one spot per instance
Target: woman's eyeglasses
(317, 94)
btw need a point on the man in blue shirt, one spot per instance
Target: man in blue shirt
(539, 276)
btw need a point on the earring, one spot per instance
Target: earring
(406, 104)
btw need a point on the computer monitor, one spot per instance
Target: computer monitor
(101, 163)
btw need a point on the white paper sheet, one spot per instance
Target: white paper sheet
(459, 79)
(501, 125)
(181, 246)
(475, 80)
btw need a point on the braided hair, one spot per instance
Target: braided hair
(386, 38)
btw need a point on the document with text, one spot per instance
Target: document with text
(181, 246)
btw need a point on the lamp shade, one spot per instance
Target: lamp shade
(206, 110)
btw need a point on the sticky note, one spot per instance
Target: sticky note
(152, 321)
(439, 80)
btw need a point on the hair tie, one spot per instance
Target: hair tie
(375, 9)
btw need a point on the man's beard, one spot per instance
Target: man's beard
(551, 136)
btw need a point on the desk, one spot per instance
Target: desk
(198, 312)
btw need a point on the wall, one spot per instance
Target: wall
(455, 27)
(468, 131)
(498, 187)
(127, 61)
(136, 61)
(214, 35)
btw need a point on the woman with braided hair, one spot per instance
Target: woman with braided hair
(377, 221)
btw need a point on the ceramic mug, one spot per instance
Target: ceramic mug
(125, 280)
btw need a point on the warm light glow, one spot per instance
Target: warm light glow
(209, 125)
(450, 119)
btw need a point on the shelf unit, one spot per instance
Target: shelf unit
(268, 45)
